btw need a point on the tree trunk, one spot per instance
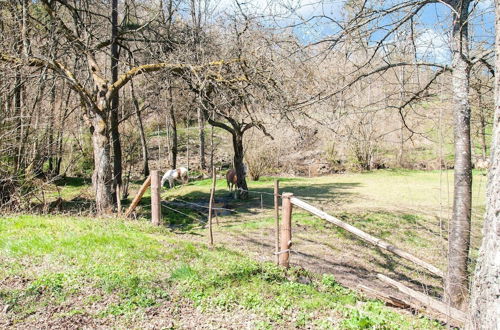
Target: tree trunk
(401, 124)
(144, 146)
(482, 123)
(115, 133)
(60, 134)
(50, 151)
(115, 136)
(212, 147)
(19, 122)
(241, 183)
(485, 297)
(201, 125)
(456, 288)
(102, 180)
(173, 125)
(57, 169)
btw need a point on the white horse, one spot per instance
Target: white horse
(179, 174)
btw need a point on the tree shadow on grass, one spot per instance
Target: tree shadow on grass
(79, 205)
(75, 206)
(350, 272)
(390, 262)
(259, 199)
(73, 182)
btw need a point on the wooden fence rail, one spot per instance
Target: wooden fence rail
(353, 230)
(457, 316)
(138, 197)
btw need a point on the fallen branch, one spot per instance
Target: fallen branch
(388, 299)
(454, 315)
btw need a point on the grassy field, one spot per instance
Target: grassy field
(404, 207)
(77, 271)
(74, 272)
(410, 209)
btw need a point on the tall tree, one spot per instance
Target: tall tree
(144, 145)
(72, 25)
(374, 24)
(115, 100)
(485, 297)
(456, 282)
(172, 123)
(198, 9)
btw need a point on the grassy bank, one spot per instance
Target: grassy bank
(60, 271)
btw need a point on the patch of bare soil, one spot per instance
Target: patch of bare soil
(77, 312)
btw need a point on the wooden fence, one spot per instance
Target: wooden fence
(283, 243)
(452, 315)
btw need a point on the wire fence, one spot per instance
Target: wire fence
(314, 246)
(204, 206)
(163, 204)
(436, 248)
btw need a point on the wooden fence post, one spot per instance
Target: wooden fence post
(277, 216)
(210, 204)
(155, 198)
(286, 230)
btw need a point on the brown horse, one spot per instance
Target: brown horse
(231, 179)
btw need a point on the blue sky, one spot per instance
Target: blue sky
(432, 25)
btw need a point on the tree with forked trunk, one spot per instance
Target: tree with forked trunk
(97, 106)
(97, 97)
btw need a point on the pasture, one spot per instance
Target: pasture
(62, 271)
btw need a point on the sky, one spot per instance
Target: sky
(313, 20)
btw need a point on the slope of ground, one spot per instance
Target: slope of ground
(410, 209)
(64, 272)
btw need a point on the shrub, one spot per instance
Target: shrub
(260, 161)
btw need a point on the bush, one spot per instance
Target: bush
(260, 161)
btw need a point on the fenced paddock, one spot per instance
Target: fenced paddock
(327, 248)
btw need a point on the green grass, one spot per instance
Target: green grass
(424, 194)
(114, 270)
(409, 209)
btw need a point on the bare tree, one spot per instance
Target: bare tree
(97, 96)
(144, 145)
(485, 298)
(456, 288)
(371, 58)
(115, 99)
